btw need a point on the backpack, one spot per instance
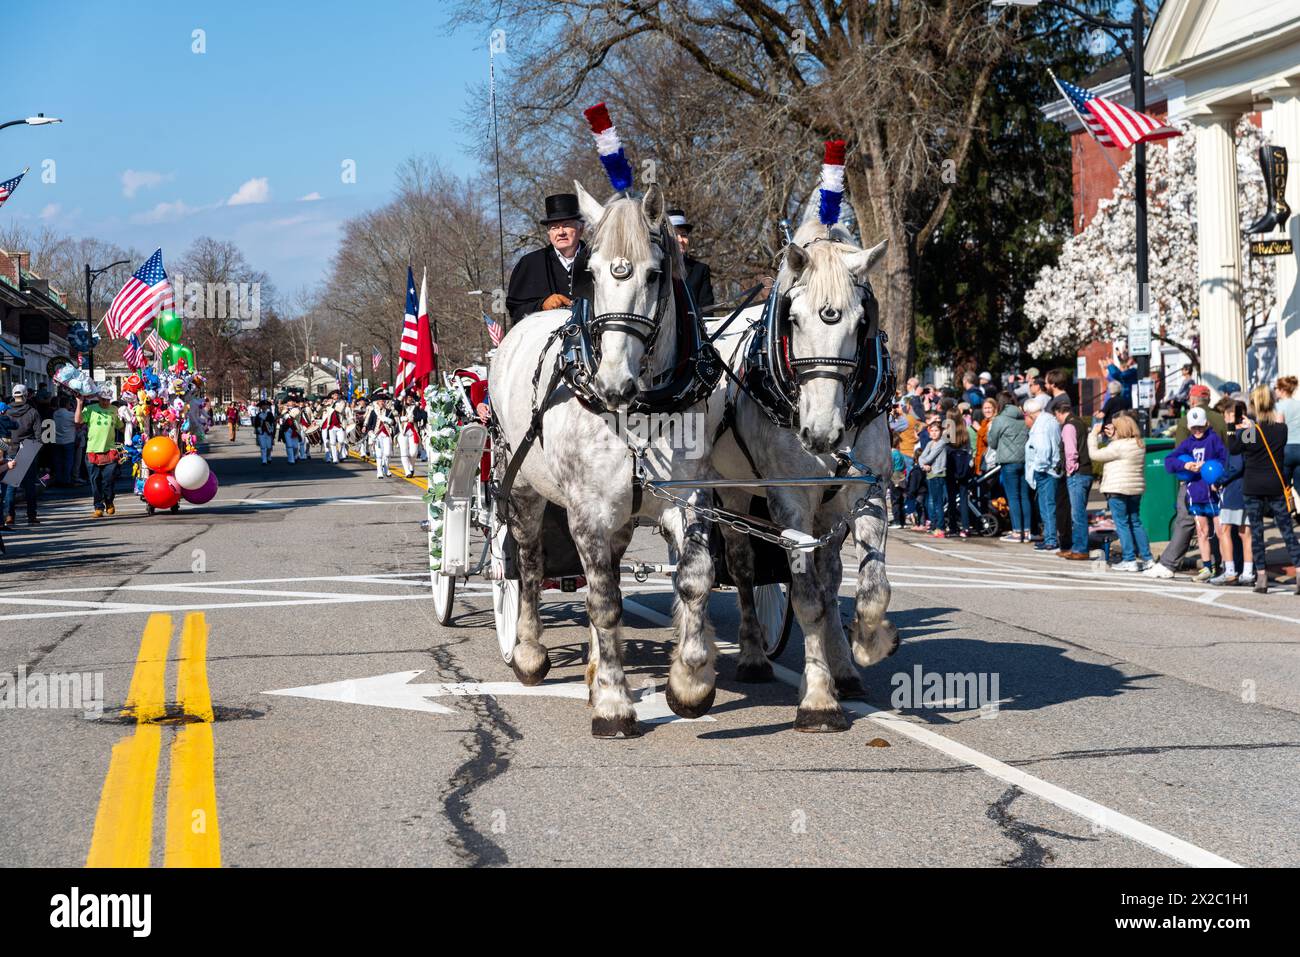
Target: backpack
(958, 464)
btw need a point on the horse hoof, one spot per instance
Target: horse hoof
(891, 635)
(615, 727)
(530, 679)
(828, 719)
(850, 689)
(685, 711)
(759, 672)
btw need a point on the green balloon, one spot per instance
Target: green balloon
(169, 326)
(186, 353)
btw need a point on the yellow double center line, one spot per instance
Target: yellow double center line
(123, 834)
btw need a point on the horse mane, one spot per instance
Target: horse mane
(622, 232)
(826, 278)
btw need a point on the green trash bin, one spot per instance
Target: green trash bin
(1160, 500)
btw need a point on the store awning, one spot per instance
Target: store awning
(12, 352)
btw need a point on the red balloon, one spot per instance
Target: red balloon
(161, 493)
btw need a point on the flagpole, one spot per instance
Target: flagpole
(496, 149)
(1140, 180)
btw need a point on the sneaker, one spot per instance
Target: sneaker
(1224, 579)
(1045, 547)
(940, 534)
(98, 513)
(1131, 566)
(964, 535)
(1158, 571)
(1246, 579)
(110, 510)
(1011, 537)
(1204, 575)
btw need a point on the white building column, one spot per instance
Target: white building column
(1286, 132)
(1218, 243)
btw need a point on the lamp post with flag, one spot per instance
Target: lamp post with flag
(1131, 38)
(91, 276)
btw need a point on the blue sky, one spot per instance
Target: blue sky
(228, 142)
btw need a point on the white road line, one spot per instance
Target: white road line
(214, 606)
(377, 578)
(1098, 814)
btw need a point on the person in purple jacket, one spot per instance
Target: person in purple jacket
(1198, 448)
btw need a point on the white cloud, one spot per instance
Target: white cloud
(50, 211)
(310, 197)
(134, 180)
(165, 212)
(256, 190)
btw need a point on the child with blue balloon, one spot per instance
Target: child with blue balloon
(1200, 449)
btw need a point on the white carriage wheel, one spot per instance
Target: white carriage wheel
(444, 594)
(505, 612)
(775, 611)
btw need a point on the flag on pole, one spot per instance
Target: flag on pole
(350, 386)
(409, 351)
(134, 354)
(376, 357)
(9, 185)
(494, 329)
(1112, 124)
(145, 294)
(154, 343)
(426, 348)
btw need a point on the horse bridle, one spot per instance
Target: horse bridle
(643, 328)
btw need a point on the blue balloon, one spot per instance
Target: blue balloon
(1212, 471)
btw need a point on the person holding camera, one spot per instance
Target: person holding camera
(1261, 442)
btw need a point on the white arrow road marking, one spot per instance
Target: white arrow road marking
(1098, 814)
(396, 691)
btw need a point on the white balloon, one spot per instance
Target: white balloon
(191, 472)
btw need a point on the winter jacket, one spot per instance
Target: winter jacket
(1007, 435)
(27, 423)
(1123, 464)
(1043, 449)
(935, 455)
(1208, 446)
(1261, 479)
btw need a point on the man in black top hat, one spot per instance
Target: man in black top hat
(698, 278)
(543, 278)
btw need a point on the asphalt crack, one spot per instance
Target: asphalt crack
(489, 748)
(1031, 852)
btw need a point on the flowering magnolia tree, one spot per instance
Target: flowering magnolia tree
(1090, 293)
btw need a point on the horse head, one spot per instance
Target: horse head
(824, 279)
(633, 256)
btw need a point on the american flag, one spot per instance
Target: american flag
(143, 296)
(410, 348)
(375, 358)
(154, 343)
(9, 185)
(494, 329)
(134, 354)
(1110, 123)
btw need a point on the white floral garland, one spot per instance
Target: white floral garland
(440, 431)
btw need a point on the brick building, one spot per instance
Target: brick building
(34, 324)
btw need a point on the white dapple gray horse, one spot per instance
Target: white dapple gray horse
(582, 461)
(824, 279)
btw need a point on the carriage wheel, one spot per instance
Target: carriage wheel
(775, 609)
(505, 587)
(444, 594)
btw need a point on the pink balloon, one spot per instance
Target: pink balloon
(204, 493)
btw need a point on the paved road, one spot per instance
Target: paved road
(1136, 722)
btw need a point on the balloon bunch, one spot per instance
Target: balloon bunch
(176, 476)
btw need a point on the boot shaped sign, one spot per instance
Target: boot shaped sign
(1272, 159)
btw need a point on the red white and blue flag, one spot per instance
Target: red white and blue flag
(832, 182)
(375, 358)
(494, 329)
(137, 303)
(610, 147)
(1112, 124)
(9, 185)
(134, 354)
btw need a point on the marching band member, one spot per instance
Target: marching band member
(334, 430)
(412, 424)
(264, 429)
(291, 431)
(360, 414)
(381, 424)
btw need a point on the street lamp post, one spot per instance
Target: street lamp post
(1134, 52)
(91, 276)
(40, 119)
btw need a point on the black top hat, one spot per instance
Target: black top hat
(560, 207)
(678, 218)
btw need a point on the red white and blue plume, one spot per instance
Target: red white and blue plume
(610, 147)
(832, 187)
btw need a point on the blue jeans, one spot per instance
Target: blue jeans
(1290, 462)
(29, 488)
(1045, 483)
(937, 501)
(1124, 509)
(1256, 507)
(103, 479)
(1017, 491)
(1077, 486)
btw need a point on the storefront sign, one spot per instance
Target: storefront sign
(1271, 247)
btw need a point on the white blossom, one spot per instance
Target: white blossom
(1091, 292)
